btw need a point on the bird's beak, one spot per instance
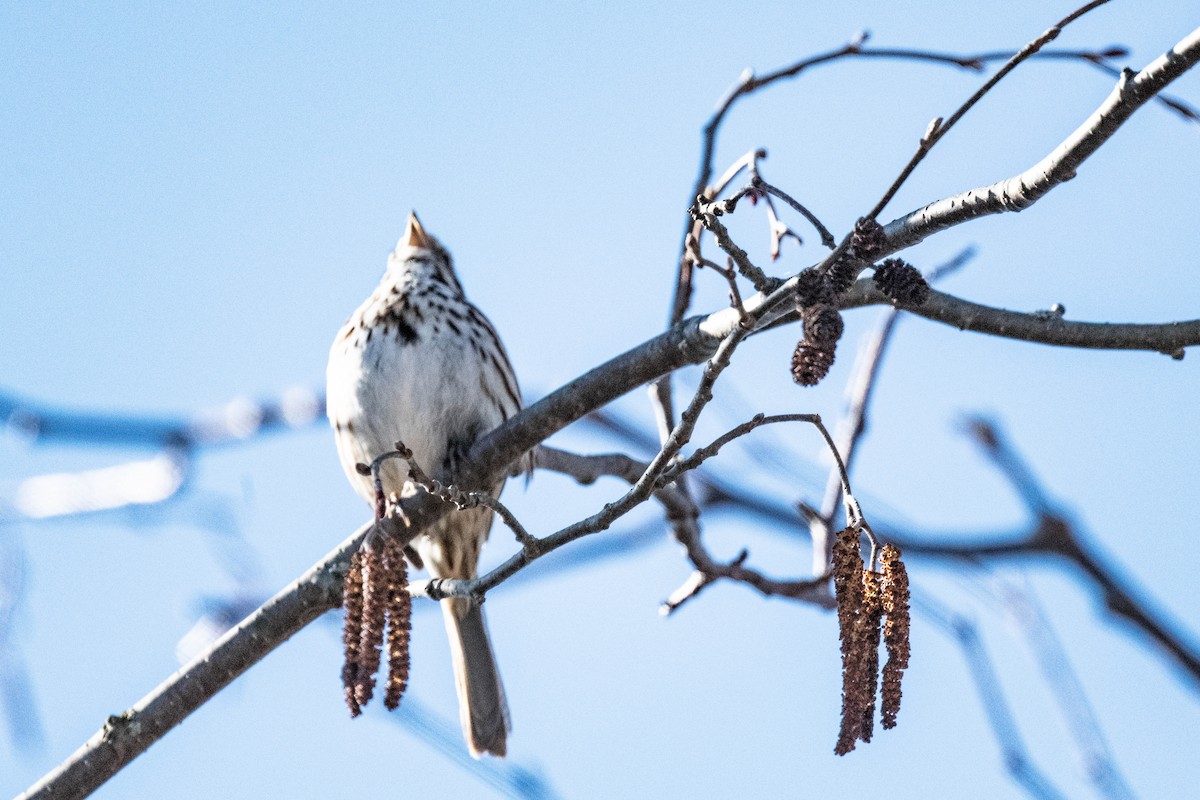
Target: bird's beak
(414, 234)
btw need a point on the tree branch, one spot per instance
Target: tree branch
(1021, 191)
(1096, 759)
(939, 128)
(1041, 327)
(682, 514)
(750, 83)
(1017, 758)
(125, 736)
(853, 424)
(1043, 537)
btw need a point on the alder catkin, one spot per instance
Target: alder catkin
(868, 240)
(848, 590)
(352, 603)
(374, 620)
(869, 631)
(896, 631)
(399, 633)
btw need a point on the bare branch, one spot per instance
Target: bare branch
(1169, 338)
(706, 213)
(1097, 759)
(812, 590)
(1021, 191)
(236, 421)
(696, 582)
(642, 488)
(682, 515)
(749, 84)
(590, 468)
(1175, 104)
(735, 294)
(1053, 535)
(708, 451)
(125, 736)
(449, 493)
(1014, 194)
(938, 128)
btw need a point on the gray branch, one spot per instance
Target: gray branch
(1021, 191)
(1040, 327)
(126, 735)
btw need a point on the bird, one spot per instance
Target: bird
(418, 363)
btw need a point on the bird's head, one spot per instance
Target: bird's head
(418, 249)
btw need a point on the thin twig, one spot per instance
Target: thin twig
(660, 391)
(688, 533)
(1169, 338)
(707, 213)
(708, 451)
(735, 294)
(697, 582)
(1133, 90)
(681, 513)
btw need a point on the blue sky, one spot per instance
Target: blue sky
(195, 198)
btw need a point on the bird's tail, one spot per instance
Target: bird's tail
(482, 708)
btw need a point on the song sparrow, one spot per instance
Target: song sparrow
(418, 363)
